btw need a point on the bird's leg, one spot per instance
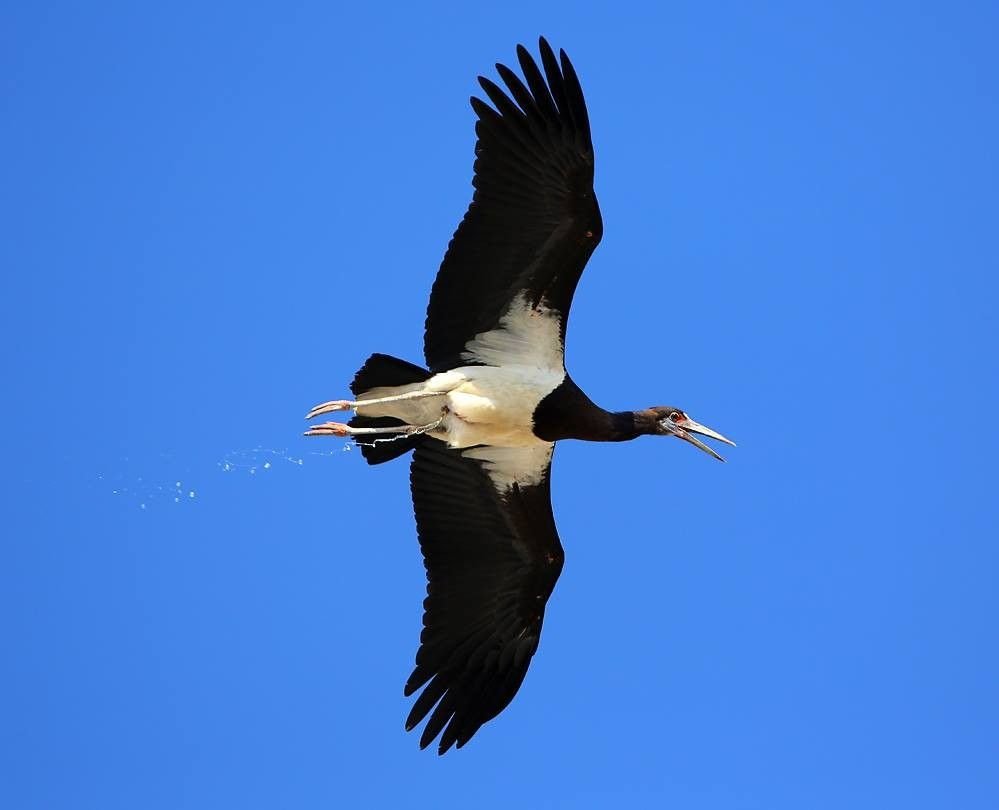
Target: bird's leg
(347, 404)
(339, 429)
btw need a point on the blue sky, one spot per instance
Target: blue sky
(212, 215)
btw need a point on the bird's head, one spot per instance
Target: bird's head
(667, 421)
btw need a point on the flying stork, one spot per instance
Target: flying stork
(483, 418)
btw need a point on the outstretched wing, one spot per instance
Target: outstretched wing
(492, 555)
(533, 221)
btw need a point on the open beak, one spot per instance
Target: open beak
(685, 429)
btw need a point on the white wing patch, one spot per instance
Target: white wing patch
(526, 336)
(507, 466)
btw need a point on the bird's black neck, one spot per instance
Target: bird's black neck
(622, 426)
(567, 413)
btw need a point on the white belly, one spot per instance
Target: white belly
(495, 405)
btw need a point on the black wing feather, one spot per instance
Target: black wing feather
(533, 221)
(492, 561)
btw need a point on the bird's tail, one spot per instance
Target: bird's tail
(384, 371)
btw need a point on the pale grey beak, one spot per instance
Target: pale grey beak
(685, 429)
(693, 427)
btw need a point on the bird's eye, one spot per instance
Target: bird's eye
(676, 416)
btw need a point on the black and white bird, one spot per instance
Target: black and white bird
(483, 418)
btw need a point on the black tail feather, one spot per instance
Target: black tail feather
(378, 371)
(383, 369)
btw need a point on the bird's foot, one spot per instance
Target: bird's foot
(339, 429)
(329, 407)
(329, 429)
